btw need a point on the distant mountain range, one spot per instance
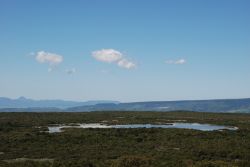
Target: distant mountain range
(227, 105)
(23, 102)
(29, 105)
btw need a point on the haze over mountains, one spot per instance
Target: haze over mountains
(29, 105)
(23, 102)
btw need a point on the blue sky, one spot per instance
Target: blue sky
(126, 50)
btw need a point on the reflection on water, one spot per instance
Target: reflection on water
(195, 126)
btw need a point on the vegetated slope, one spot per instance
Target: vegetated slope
(227, 105)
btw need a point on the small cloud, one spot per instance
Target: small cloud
(124, 63)
(50, 58)
(180, 61)
(70, 71)
(107, 55)
(113, 56)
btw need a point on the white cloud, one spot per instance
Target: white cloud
(107, 55)
(113, 56)
(70, 71)
(124, 63)
(180, 61)
(46, 57)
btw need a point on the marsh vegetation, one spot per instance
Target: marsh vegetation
(25, 142)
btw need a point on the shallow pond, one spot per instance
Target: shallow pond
(195, 126)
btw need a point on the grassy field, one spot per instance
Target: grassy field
(23, 141)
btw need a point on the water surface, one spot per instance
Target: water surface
(195, 126)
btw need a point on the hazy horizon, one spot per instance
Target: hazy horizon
(126, 51)
(16, 98)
